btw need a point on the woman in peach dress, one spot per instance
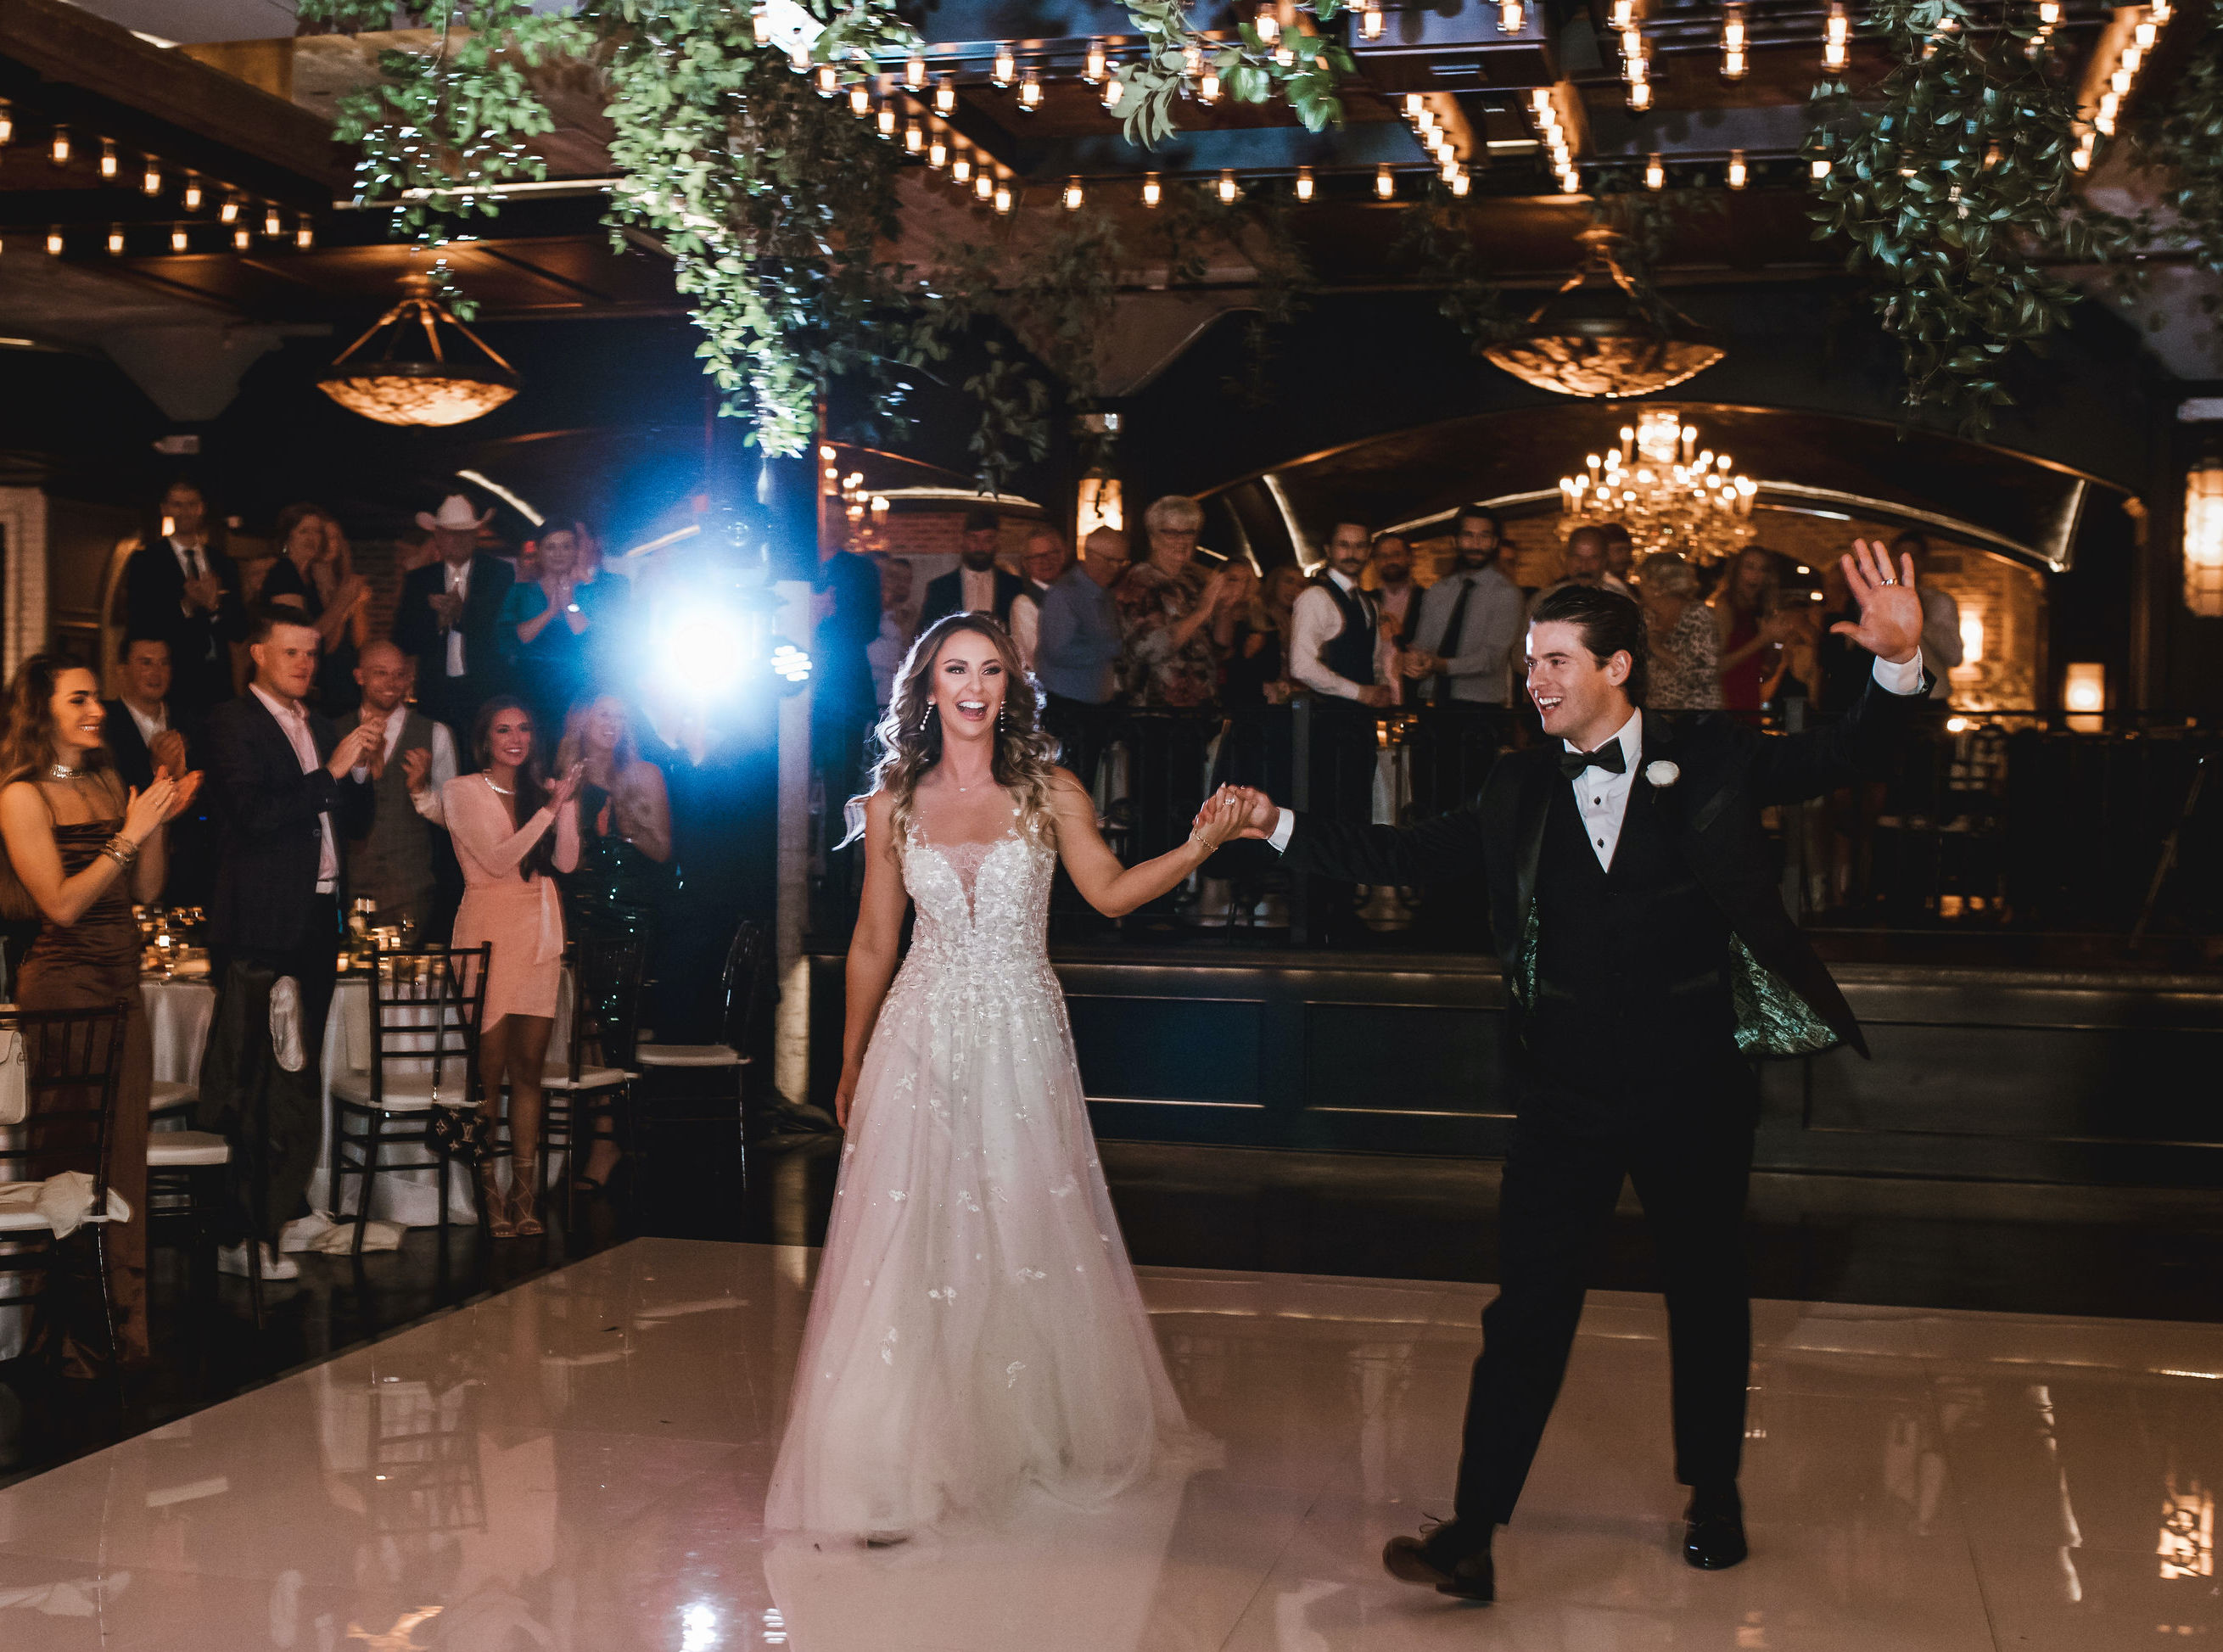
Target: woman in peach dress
(500, 818)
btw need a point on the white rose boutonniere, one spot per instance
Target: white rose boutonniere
(1662, 774)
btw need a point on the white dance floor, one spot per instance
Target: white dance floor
(580, 1464)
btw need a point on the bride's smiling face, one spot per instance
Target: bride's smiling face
(968, 681)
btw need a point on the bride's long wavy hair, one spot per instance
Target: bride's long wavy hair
(910, 733)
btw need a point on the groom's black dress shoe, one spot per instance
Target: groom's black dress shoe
(1713, 1537)
(1448, 1559)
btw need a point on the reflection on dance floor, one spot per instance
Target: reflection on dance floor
(580, 1464)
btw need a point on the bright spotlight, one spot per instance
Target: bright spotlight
(788, 662)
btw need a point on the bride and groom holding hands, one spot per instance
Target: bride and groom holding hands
(975, 1332)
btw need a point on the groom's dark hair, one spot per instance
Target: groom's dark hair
(1611, 624)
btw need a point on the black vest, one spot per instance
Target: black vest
(1350, 653)
(1632, 963)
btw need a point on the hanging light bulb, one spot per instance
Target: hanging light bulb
(1385, 183)
(914, 138)
(1004, 201)
(242, 239)
(1819, 167)
(273, 226)
(1425, 120)
(1207, 86)
(883, 119)
(228, 212)
(826, 79)
(7, 122)
(1286, 55)
(860, 99)
(116, 240)
(914, 71)
(1733, 43)
(1114, 90)
(960, 169)
(1270, 21)
(1371, 22)
(1093, 66)
(178, 238)
(1230, 191)
(54, 241)
(1461, 181)
(1640, 96)
(1030, 93)
(150, 177)
(1621, 14)
(1152, 192)
(945, 97)
(1304, 183)
(2146, 34)
(1632, 51)
(1448, 168)
(1736, 169)
(190, 197)
(937, 152)
(1655, 173)
(760, 25)
(1512, 17)
(984, 185)
(107, 161)
(1734, 63)
(1007, 66)
(1836, 37)
(1072, 199)
(2160, 12)
(58, 150)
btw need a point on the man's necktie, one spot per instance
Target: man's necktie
(1607, 757)
(1447, 645)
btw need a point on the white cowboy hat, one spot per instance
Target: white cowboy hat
(455, 515)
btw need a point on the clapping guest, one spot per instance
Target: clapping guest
(181, 587)
(449, 618)
(1339, 652)
(547, 625)
(315, 575)
(83, 848)
(1042, 562)
(1471, 623)
(143, 735)
(394, 859)
(502, 819)
(1166, 604)
(1685, 674)
(1257, 652)
(1397, 598)
(1749, 628)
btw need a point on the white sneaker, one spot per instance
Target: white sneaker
(302, 1233)
(232, 1259)
(286, 1023)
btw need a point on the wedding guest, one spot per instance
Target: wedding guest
(609, 598)
(449, 618)
(548, 628)
(1583, 561)
(1257, 647)
(1941, 616)
(1470, 622)
(1338, 651)
(1042, 562)
(137, 726)
(1166, 604)
(898, 617)
(315, 575)
(1620, 559)
(976, 585)
(847, 604)
(1686, 659)
(287, 794)
(1749, 628)
(500, 819)
(82, 847)
(396, 858)
(181, 587)
(1078, 648)
(1397, 598)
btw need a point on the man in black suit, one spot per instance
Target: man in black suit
(449, 615)
(1646, 954)
(976, 585)
(287, 796)
(142, 735)
(182, 587)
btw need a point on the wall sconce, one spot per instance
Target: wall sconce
(2084, 693)
(2203, 539)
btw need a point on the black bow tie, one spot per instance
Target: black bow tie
(1607, 757)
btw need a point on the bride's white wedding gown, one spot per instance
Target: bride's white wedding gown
(975, 1327)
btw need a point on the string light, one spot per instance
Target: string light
(1655, 173)
(914, 138)
(1030, 93)
(1733, 43)
(1512, 17)
(1072, 199)
(860, 99)
(884, 119)
(937, 152)
(1004, 201)
(7, 122)
(1270, 21)
(240, 239)
(1152, 191)
(960, 169)
(107, 158)
(1461, 181)
(1632, 52)
(54, 241)
(1304, 183)
(1836, 37)
(1286, 55)
(984, 186)
(1736, 169)
(1207, 86)
(150, 179)
(827, 79)
(228, 212)
(1385, 183)
(1114, 90)
(1371, 21)
(915, 71)
(178, 238)
(1819, 167)
(1640, 96)
(273, 226)
(191, 195)
(1622, 14)
(945, 97)
(1229, 189)
(1092, 66)
(58, 150)
(116, 240)
(760, 25)
(1006, 69)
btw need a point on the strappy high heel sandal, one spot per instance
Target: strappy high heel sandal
(492, 1205)
(525, 1197)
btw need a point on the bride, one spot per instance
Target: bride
(975, 1329)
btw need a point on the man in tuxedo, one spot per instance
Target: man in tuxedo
(182, 587)
(1646, 954)
(142, 737)
(287, 796)
(976, 585)
(448, 614)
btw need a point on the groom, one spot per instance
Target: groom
(1646, 954)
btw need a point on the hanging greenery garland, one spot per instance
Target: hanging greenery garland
(1304, 65)
(1952, 184)
(2184, 143)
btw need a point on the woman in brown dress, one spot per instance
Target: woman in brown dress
(84, 849)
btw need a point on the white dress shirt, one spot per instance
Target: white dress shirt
(1603, 796)
(150, 723)
(1026, 623)
(295, 722)
(1478, 660)
(459, 584)
(441, 769)
(976, 590)
(1314, 620)
(191, 558)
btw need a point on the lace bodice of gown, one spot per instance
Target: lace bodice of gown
(981, 904)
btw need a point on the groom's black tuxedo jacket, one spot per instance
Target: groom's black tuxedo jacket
(1728, 773)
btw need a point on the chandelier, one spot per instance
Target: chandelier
(1670, 494)
(1600, 335)
(450, 389)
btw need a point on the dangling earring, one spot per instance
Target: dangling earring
(926, 717)
(1001, 723)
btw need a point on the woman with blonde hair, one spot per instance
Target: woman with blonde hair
(315, 573)
(975, 1332)
(1687, 673)
(83, 848)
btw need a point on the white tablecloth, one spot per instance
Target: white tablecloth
(179, 1012)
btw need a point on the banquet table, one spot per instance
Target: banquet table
(179, 1011)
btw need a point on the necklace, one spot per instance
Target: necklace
(504, 791)
(62, 772)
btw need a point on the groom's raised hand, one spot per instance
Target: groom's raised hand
(1891, 612)
(1260, 814)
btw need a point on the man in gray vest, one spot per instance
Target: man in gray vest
(395, 862)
